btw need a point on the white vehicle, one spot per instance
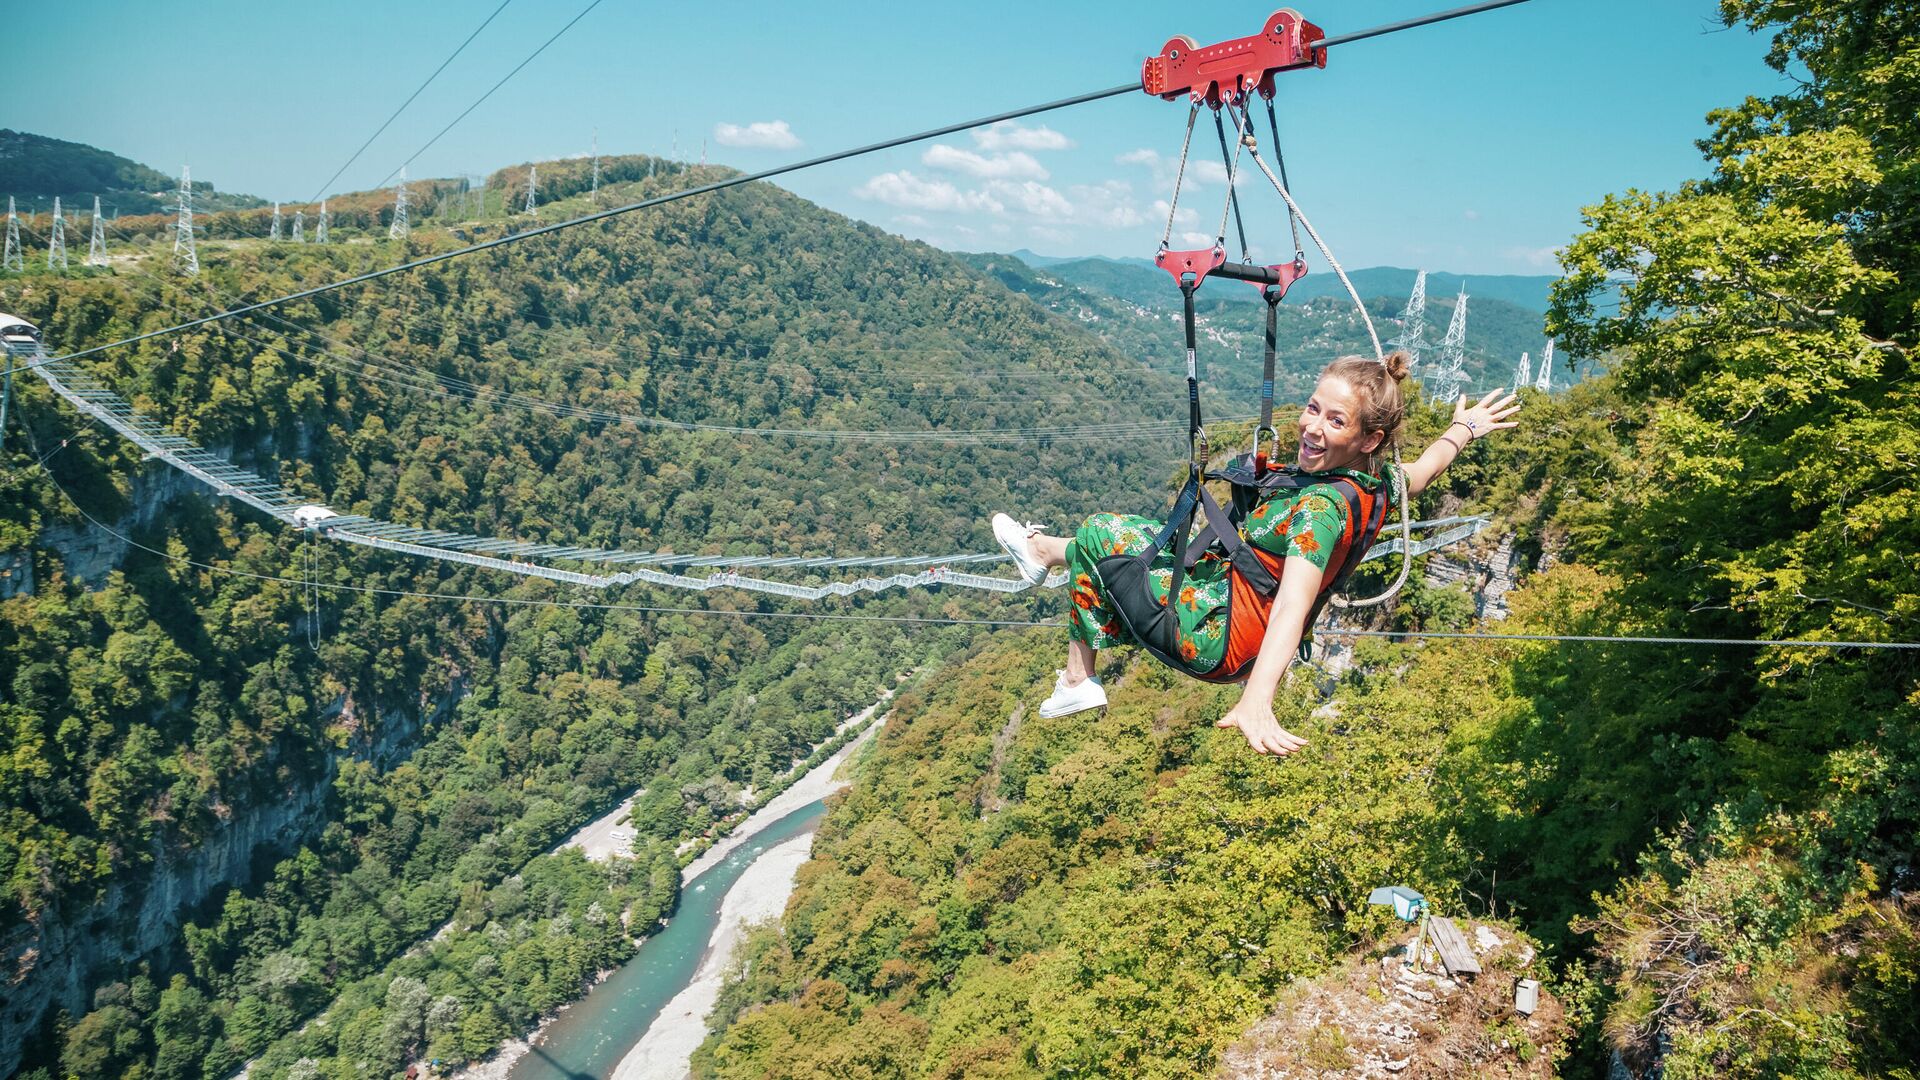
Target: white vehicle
(311, 516)
(18, 333)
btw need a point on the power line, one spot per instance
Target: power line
(382, 369)
(1623, 639)
(601, 215)
(491, 89)
(735, 181)
(409, 101)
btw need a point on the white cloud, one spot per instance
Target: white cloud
(1033, 197)
(1014, 165)
(1185, 217)
(1544, 258)
(1201, 172)
(1109, 204)
(907, 190)
(911, 219)
(1470, 215)
(1197, 239)
(1008, 135)
(763, 134)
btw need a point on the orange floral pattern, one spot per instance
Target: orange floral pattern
(1307, 523)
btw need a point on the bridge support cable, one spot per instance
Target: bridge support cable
(748, 178)
(103, 405)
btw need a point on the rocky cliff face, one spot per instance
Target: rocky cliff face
(57, 960)
(1488, 575)
(52, 962)
(1375, 1018)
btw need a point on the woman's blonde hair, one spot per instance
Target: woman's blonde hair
(1382, 407)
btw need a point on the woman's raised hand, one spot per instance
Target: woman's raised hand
(1489, 414)
(1263, 732)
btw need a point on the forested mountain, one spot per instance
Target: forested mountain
(1716, 841)
(1310, 329)
(1141, 282)
(417, 733)
(35, 168)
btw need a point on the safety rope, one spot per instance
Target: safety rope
(1280, 159)
(1179, 177)
(1243, 124)
(1232, 164)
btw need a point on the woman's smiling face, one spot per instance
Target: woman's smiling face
(1330, 435)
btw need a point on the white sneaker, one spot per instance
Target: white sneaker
(1087, 694)
(1013, 538)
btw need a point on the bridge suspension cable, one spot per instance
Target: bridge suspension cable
(104, 406)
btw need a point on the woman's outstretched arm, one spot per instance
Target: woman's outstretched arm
(1299, 585)
(1470, 422)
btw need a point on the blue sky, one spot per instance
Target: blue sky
(1468, 146)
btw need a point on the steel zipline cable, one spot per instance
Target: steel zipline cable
(748, 178)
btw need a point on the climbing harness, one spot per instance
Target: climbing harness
(1224, 78)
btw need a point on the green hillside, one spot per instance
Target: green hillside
(148, 708)
(1715, 840)
(35, 168)
(1141, 282)
(1310, 332)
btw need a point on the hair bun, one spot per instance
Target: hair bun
(1398, 363)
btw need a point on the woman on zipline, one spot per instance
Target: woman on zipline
(1348, 431)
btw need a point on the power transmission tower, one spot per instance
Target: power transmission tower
(97, 239)
(1453, 352)
(57, 239)
(595, 192)
(14, 259)
(299, 226)
(1523, 374)
(1545, 380)
(398, 229)
(1413, 321)
(533, 188)
(274, 232)
(185, 259)
(320, 228)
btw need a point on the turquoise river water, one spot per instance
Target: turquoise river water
(588, 1040)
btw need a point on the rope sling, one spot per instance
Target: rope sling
(1287, 42)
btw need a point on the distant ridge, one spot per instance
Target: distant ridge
(1139, 280)
(41, 167)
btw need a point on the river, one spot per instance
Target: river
(588, 1039)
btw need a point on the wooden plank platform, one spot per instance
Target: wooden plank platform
(1455, 954)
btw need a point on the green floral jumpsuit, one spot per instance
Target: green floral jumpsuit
(1307, 522)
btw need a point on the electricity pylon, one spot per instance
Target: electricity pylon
(299, 226)
(14, 259)
(1523, 374)
(274, 232)
(398, 229)
(533, 188)
(1413, 321)
(1453, 353)
(185, 259)
(1545, 380)
(320, 229)
(57, 239)
(97, 238)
